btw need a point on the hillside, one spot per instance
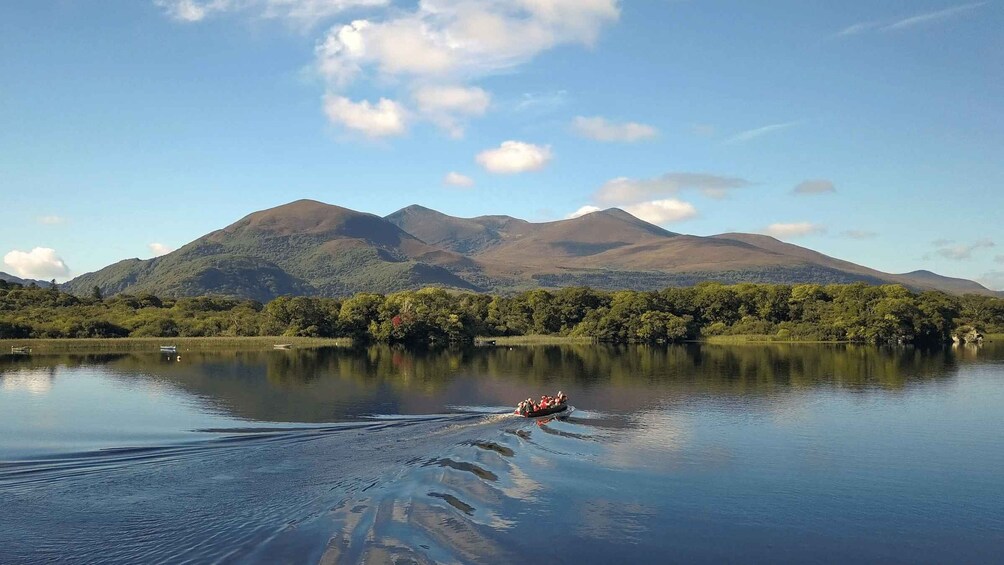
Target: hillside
(310, 248)
(305, 247)
(12, 279)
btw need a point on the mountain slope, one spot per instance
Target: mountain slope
(311, 248)
(12, 279)
(304, 247)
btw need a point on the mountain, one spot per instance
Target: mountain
(310, 248)
(12, 279)
(304, 247)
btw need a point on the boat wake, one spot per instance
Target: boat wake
(445, 487)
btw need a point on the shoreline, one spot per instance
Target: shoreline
(182, 343)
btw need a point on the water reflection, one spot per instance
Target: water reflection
(336, 384)
(691, 453)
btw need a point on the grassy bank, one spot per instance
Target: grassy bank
(536, 340)
(153, 343)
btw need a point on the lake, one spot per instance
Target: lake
(690, 453)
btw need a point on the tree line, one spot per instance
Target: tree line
(833, 312)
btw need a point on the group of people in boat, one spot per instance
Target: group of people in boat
(528, 406)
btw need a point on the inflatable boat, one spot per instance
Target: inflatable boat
(546, 411)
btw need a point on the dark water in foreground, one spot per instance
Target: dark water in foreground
(693, 453)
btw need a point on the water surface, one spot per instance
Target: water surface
(695, 453)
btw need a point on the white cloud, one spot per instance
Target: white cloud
(960, 252)
(587, 209)
(600, 129)
(192, 10)
(446, 106)
(816, 186)
(662, 211)
(931, 17)
(39, 263)
(623, 190)
(383, 119)
(748, 135)
(515, 157)
(460, 38)
(453, 178)
(404, 47)
(797, 229)
(307, 12)
(51, 220)
(158, 249)
(916, 20)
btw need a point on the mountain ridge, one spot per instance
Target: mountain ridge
(312, 248)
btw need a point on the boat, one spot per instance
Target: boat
(283, 346)
(547, 411)
(168, 348)
(14, 350)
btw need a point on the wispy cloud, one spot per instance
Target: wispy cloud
(932, 17)
(859, 234)
(909, 22)
(599, 128)
(51, 220)
(749, 135)
(814, 186)
(623, 190)
(796, 229)
(959, 252)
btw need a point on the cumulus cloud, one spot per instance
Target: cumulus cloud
(460, 38)
(796, 229)
(664, 211)
(587, 209)
(816, 186)
(301, 11)
(600, 129)
(39, 263)
(859, 234)
(383, 119)
(909, 22)
(447, 106)
(453, 178)
(623, 190)
(452, 42)
(51, 220)
(958, 252)
(515, 157)
(432, 49)
(158, 249)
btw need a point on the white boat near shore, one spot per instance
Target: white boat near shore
(168, 348)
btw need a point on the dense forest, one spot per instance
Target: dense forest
(853, 312)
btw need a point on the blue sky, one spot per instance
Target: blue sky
(870, 131)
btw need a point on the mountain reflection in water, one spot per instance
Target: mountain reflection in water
(692, 453)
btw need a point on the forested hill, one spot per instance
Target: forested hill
(313, 249)
(857, 312)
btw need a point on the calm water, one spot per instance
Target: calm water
(683, 454)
